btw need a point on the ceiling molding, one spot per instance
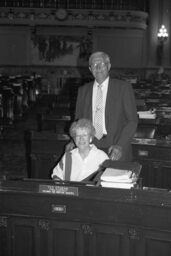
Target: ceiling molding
(73, 17)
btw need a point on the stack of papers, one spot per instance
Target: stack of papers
(147, 114)
(117, 178)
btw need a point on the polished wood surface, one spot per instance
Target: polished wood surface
(155, 157)
(47, 218)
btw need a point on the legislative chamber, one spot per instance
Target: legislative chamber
(44, 51)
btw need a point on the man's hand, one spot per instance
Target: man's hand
(69, 146)
(115, 152)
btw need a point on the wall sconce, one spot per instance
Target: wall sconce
(162, 34)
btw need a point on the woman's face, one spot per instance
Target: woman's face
(82, 138)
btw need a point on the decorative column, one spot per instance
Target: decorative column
(166, 20)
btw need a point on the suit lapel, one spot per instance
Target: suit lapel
(109, 100)
(89, 101)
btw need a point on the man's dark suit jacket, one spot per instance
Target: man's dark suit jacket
(120, 114)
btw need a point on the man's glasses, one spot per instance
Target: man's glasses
(98, 65)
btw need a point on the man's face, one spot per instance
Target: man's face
(99, 68)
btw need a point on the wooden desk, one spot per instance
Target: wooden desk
(44, 149)
(155, 157)
(47, 218)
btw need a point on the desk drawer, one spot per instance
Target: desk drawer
(151, 152)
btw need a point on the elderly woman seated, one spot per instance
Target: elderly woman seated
(85, 159)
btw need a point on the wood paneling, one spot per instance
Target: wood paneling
(97, 221)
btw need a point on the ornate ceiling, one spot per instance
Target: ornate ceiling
(73, 17)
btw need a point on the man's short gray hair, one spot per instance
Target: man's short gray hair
(103, 55)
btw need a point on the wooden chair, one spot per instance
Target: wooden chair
(43, 150)
(52, 122)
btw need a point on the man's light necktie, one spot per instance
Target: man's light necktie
(98, 116)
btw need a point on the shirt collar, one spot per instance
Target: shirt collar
(104, 84)
(75, 150)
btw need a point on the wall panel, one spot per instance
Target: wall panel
(14, 46)
(124, 46)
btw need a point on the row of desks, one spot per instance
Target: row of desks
(40, 217)
(17, 93)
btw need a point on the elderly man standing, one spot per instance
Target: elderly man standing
(110, 105)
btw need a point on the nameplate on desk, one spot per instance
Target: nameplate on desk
(60, 190)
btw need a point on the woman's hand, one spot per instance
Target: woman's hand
(69, 146)
(55, 177)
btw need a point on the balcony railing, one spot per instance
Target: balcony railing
(138, 5)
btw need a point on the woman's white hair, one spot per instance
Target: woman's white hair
(82, 124)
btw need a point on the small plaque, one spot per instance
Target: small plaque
(59, 208)
(59, 190)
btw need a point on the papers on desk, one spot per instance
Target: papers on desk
(117, 185)
(117, 178)
(116, 175)
(147, 114)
